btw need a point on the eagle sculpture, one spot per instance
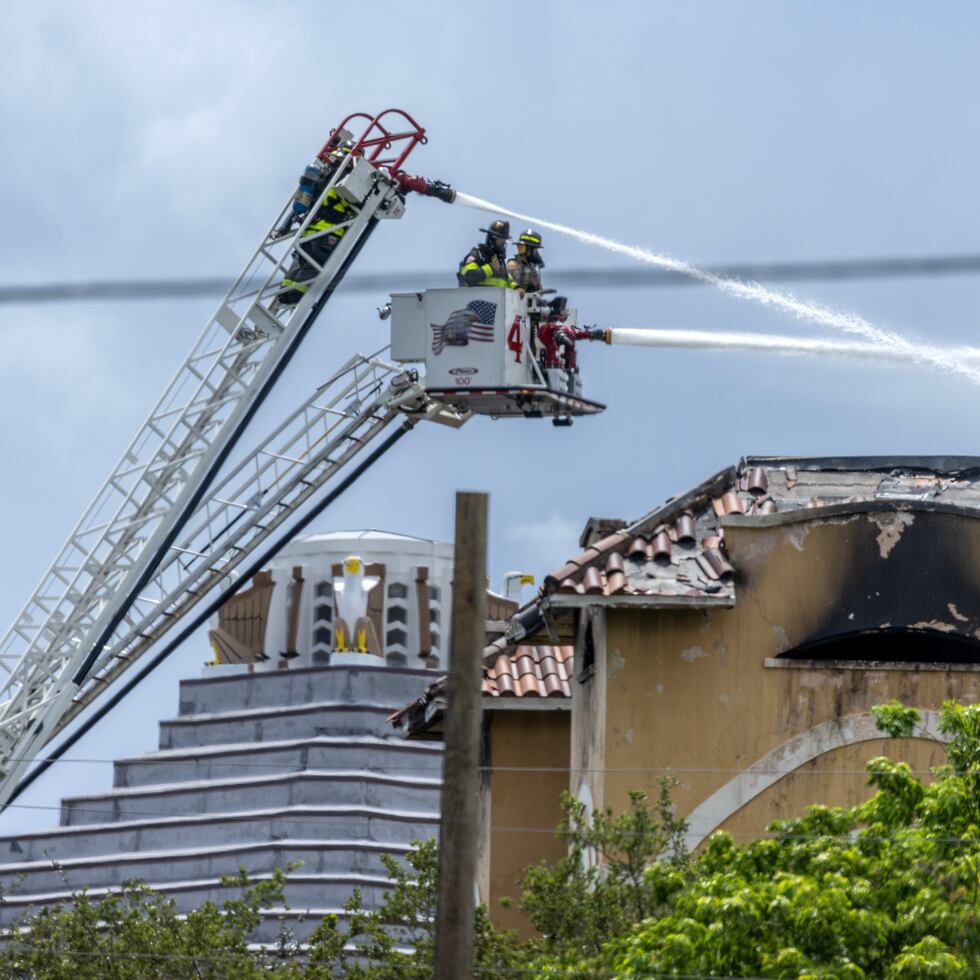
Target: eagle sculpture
(353, 631)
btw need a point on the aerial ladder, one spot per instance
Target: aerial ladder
(174, 524)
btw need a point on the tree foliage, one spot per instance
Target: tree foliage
(888, 890)
(137, 934)
(397, 942)
(604, 884)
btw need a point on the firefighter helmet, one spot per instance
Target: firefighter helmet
(499, 229)
(530, 238)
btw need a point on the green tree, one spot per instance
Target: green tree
(137, 934)
(397, 941)
(888, 889)
(620, 869)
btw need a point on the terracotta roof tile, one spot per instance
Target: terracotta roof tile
(505, 685)
(661, 546)
(509, 672)
(757, 481)
(566, 572)
(533, 671)
(728, 503)
(575, 565)
(593, 582)
(640, 550)
(732, 503)
(715, 564)
(678, 548)
(611, 542)
(554, 687)
(686, 529)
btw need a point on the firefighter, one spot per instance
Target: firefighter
(486, 264)
(525, 267)
(333, 210)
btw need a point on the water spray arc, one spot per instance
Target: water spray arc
(772, 344)
(887, 342)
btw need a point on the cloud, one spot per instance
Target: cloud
(62, 370)
(541, 546)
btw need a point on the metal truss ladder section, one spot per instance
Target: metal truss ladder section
(308, 452)
(125, 533)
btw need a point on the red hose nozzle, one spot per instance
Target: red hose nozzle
(429, 188)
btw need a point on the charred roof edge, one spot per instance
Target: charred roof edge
(845, 509)
(643, 601)
(722, 480)
(933, 464)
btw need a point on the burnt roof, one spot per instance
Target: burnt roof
(946, 465)
(676, 555)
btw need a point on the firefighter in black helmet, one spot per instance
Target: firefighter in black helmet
(486, 264)
(525, 267)
(327, 225)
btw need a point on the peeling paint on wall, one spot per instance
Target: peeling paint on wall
(797, 535)
(891, 527)
(616, 663)
(813, 679)
(956, 614)
(934, 624)
(781, 638)
(693, 653)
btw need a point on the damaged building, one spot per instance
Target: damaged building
(735, 639)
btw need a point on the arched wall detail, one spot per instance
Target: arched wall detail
(708, 815)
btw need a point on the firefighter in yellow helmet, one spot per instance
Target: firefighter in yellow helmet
(331, 213)
(525, 267)
(486, 264)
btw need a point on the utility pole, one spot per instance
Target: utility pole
(460, 767)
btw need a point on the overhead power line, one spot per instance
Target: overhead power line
(595, 277)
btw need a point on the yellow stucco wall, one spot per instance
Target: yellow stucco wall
(524, 806)
(688, 692)
(837, 777)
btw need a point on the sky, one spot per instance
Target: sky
(160, 140)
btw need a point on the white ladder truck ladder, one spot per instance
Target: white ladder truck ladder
(313, 455)
(306, 453)
(126, 535)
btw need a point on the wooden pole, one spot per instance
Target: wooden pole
(460, 772)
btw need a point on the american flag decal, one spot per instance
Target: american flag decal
(473, 322)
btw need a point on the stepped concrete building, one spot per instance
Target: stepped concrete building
(280, 753)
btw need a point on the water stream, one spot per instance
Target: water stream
(889, 343)
(774, 344)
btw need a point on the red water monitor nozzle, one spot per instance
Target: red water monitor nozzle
(429, 188)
